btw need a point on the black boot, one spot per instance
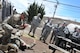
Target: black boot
(40, 38)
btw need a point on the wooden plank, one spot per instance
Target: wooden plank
(58, 48)
(68, 40)
(76, 50)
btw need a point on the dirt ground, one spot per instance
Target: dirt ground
(40, 47)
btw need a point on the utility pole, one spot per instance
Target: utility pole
(57, 3)
(55, 8)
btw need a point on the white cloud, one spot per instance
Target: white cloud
(22, 5)
(24, 2)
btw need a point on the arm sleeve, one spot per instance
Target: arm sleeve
(5, 21)
(74, 35)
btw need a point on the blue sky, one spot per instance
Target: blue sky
(63, 11)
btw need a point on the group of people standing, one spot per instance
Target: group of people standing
(60, 29)
(48, 27)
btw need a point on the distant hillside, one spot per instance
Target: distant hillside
(59, 20)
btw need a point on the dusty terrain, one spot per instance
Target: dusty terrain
(40, 47)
